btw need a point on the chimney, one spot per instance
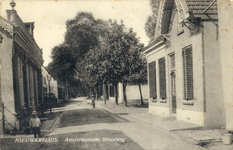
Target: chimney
(11, 13)
(30, 27)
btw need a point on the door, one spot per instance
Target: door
(173, 92)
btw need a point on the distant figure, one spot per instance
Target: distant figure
(35, 123)
(93, 101)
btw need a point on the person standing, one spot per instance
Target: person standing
(93, 101)
(35, 123)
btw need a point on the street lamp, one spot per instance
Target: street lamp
(49, 79)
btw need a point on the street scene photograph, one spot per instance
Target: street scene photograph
(116, 75)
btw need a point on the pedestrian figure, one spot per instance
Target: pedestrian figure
(35, 123)
(93, 101)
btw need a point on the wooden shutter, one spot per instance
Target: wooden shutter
(162, 78)
(152, 80)
(188, 73)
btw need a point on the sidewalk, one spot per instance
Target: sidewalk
(101, 123)
(193, 133)
(48, 124)
(166, 123)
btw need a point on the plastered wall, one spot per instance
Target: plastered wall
(7, 76)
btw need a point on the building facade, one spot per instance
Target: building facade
(50, 89)
(184, 64)
(21, 77)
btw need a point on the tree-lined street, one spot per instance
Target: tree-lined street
(81, 95)
(79, 124)
(97, 52)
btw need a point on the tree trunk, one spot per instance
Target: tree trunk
(104, 92)
(116, 93)
(139, 84)
(66, 91)
(88, 91)
(96, 92)
(124, 93)
(92, 91)
(107, 89)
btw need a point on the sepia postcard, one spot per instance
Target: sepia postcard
(116, 74)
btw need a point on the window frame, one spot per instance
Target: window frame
(188, 74)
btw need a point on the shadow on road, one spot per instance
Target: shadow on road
(88, 116)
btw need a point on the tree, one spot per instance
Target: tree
(150, 27)
(67, 59)
(140, 75)
(96, 52)
(89, 68)
(63, 65)
(151, 21)
(117, 56)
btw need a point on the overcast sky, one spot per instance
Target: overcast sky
(50, 17)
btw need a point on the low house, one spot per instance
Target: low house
(132, 92)
(184, 64)
(50, 88)
(21, 78)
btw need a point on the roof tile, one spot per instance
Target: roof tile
(198, 6)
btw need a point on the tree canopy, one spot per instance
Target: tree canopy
(151, 21)
(97, 51)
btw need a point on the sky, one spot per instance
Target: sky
(50, 17)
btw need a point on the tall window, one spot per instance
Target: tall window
(162, 78)
(31, 85)
(36, 87)
(172, 74)
(28, 85)
(173, 64)
(188, 72)
(20, 82)
(152, 80)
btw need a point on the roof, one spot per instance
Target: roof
(198, 6)
(204, 9)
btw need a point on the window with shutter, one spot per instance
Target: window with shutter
(188, 73)
(162, 78)
(152, 80)
(20, 82)
(36, 87)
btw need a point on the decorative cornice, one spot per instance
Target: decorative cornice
(22, 41)
(29, 43)
(159, 20)
(157, 40)
(160, 42)
(4, 31)
(182, 6)
(14, 18)
(174, 11)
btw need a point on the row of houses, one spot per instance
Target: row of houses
(184, 62)
(24, 83)
(188, 63)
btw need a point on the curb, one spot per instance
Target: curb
(53, 125)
